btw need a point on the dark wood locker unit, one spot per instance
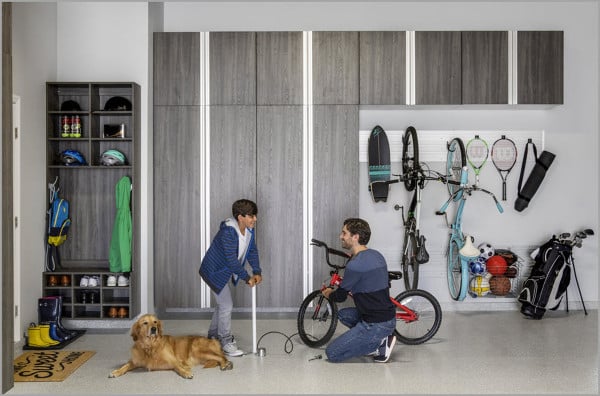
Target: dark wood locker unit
(438, 67)
(335, 67)
(540, 67)
(90, 188)
(382, 68)
(484, 67)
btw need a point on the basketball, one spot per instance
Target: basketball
(479, 286)
(511, 271)
(500, 285)
(496, 265)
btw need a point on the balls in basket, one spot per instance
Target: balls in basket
(486, 250)
(511, 271)
(479, 286)
(477, 266)
(496, 265)
(500, 285)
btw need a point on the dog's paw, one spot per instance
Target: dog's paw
(187, 374)
(228, 366)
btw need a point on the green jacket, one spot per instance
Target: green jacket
(120, 244)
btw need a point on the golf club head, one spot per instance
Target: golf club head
(589, 231)
(581, 235)
(564, 235)
(578, 244)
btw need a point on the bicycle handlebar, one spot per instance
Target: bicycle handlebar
(329, 251)
(468, 190)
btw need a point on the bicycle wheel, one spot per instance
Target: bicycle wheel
(410, 158)
(455, 162)
(457, 276)
(317, 319)
(420, 327)
(410, 267)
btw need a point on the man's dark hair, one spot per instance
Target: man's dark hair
(243, 207)
(360, 227)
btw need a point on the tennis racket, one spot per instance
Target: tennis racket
(504, 157)
(477, 155)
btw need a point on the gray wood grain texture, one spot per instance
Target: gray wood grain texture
(232, 170)
(485, 67)
(177, 203)
(335, 68)
(382, 68)
(335, 176)
(232, 68)
(279, 68)
(540, 67)
(176, 68)
(438, 67)
(279, 196)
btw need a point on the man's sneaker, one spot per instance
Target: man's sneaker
(94, 281)
(385, 350)
(123, 281)
(111, 281)
(85, 281)
(231, 349)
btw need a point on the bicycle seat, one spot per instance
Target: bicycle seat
(394, 275)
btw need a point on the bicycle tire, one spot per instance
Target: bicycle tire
(410, 266)
(456, 160)
(410, 158)
(458, 276)
(429, 317)
(316, 331)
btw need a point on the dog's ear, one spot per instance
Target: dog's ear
(135, 330)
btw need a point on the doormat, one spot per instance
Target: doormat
(49, 365)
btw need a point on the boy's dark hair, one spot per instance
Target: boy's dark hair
(243, 207)
(360, 227)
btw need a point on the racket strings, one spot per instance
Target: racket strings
(477, 153)
(504, 154)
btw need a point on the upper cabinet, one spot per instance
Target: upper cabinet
(484, 67)
(540, 67)
(382, 68)
(335, 67)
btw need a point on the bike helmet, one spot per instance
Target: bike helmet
(72, 158)
(112, 157)
(70, 105)
(117, 103)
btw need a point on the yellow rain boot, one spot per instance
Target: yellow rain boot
(45, 335)
(34, 337)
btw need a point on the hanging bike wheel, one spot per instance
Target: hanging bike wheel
(410, 267)
(317, 319)
(410, 158)
(424, 324)
(457, 278)
(455, 162)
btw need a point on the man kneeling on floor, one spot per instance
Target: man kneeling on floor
(373, 319)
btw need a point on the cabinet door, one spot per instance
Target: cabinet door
(335, 176)
(485, 67)
(383, 68)
(232, 68)
(279, 68)
(335, 67)
(540, 67)
(232, 171)
(176, 69)
(279, 196)
(438, 68)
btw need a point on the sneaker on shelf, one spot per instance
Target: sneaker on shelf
(231, 349)
(93, 281)
(385, 350)
(123, 281)
(85, 281)
(111, 281)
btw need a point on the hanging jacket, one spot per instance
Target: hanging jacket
(120, 245)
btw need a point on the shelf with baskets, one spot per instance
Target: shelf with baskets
(93, 142)
(497, 276)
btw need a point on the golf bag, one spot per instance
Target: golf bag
(550, 276)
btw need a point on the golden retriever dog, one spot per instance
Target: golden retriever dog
(154, 350)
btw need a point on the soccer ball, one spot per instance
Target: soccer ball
(477, 266)
(479, 286)
(486, 250)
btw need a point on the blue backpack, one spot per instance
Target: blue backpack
(58, 220)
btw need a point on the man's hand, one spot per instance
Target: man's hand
(327, 291)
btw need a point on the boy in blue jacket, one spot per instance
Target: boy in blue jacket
(231, 248)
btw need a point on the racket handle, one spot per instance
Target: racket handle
(504, 190)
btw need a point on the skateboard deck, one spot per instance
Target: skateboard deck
(379, 164)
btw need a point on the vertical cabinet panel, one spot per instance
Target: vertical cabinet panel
(383, 68)
(177, 203)
(232, 170)
(335, 175)
(176, 69)
(485, 67)
(279, 68)
(232, 68)
(540, 67)
(438, 67)
(335, 67)
(279, 194)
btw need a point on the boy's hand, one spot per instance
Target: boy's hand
(251, 282)
(257, 279)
